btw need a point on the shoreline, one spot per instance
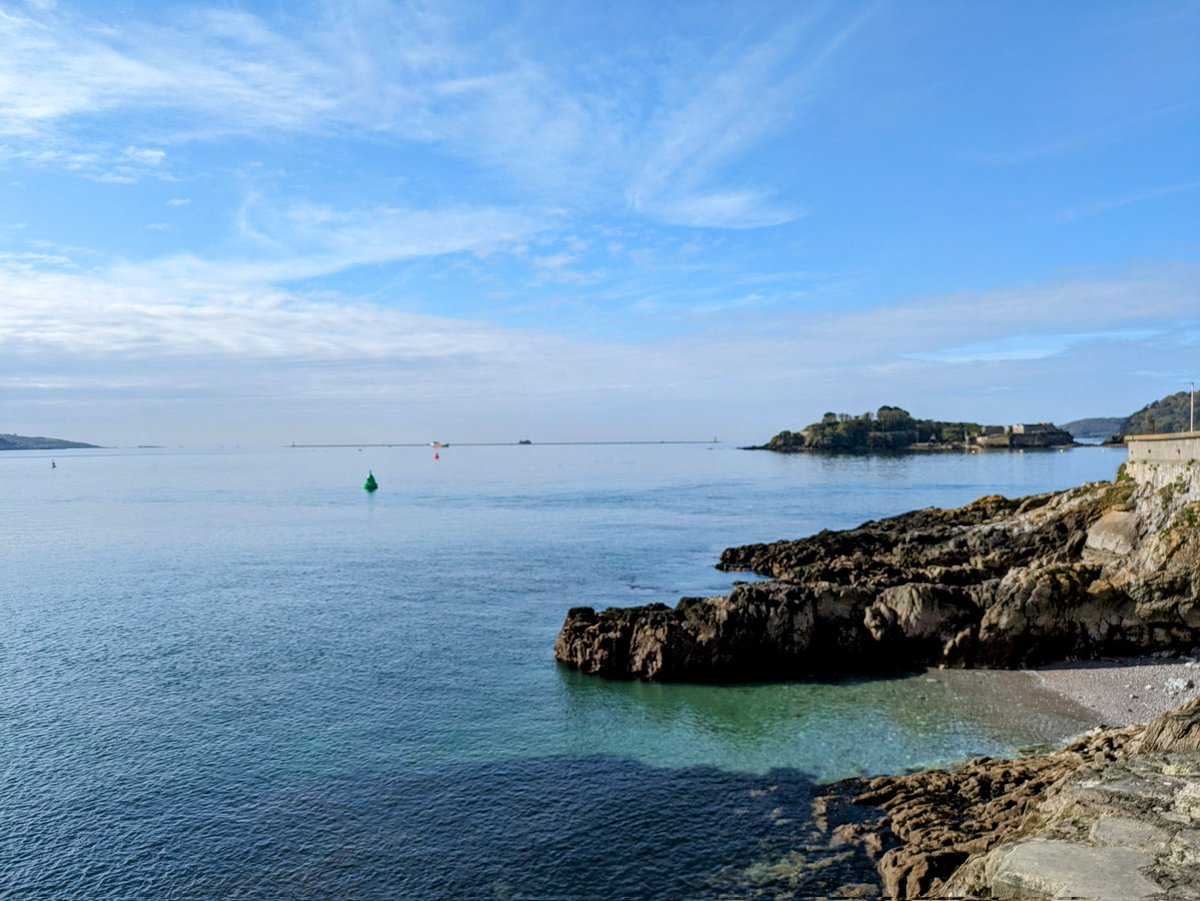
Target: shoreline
(1032, 826)
(1124, 691)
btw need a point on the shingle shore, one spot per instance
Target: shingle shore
(1128, 691)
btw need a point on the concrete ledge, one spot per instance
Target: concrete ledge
(1177, 447)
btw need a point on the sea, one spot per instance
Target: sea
(232, 673)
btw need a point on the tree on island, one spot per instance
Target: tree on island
(894, 429)
(1169, 414)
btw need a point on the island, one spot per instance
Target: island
(1106, 569)
(24, 442)
(894, 429)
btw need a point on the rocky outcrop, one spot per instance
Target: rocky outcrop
(1104, 569)
(1116, 815)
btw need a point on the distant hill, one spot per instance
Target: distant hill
(1096, 426)
(894, 429)
(24, 442)
(1169, 414)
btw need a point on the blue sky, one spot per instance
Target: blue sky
(270, 222)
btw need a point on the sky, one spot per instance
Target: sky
(379, 221)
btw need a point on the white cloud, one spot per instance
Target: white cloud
(176, 346)
(734, 209)
(188, 305)
(746, 92)
(223, 69)
(144, 156)
(305, 240)
(1128, 302)
(664, 137)
(119, 316)
(1018, 348)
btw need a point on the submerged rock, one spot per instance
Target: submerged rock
(1103, 569)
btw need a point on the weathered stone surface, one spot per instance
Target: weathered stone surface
(1124, 832)
(1104, 569)
(1036, 870)
(1116, 532)
(1114, 815)
(1178, 730)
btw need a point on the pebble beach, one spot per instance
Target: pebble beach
(1126, 691)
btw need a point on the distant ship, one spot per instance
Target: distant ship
(524, 441)
(437, 444)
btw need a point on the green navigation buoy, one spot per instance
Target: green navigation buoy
(371, 484)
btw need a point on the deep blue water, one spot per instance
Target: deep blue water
(234, 674)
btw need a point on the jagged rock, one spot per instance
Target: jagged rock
(1177, 730)
(1098, 570)
(763, 629)
(1103, 569)
(1114, 815)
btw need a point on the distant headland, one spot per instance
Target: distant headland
(895, 429)
(1173, 413)
(24, 442)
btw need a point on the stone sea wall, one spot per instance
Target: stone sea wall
(1181, 447)
(1182, 479)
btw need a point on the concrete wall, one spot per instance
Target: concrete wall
(1182, 447)
(1183, 479)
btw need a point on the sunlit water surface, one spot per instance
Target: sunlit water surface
(235, 674)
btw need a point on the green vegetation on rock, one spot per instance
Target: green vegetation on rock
(1169, 414)
(895, 429)
(1164, 416)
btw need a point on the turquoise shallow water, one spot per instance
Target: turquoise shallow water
(235, 674)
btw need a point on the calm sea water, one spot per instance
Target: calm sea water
(234, 674)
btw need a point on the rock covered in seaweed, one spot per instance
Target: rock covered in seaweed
(1107, 568)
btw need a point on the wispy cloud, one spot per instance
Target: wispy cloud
(303, 240)
(1018, 348)
(1084, 138)
(216, 72)
(120, 316)
(1105, 206)
(174, 328)
(743, 94)
(1028, 322)
(407, 73)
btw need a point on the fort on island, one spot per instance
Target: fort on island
(1039, 434)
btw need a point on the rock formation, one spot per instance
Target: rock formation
(1113, 816)
(1106, 568)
